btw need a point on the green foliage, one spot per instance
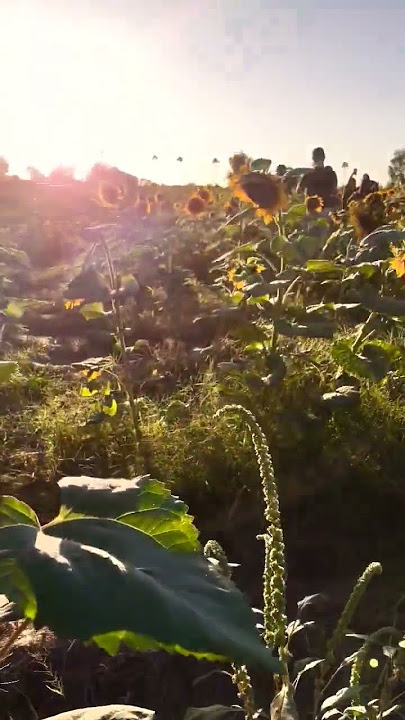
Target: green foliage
(7, 368)
(165, 595)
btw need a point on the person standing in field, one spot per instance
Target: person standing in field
(321, 181)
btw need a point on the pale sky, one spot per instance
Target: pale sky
(121, 80)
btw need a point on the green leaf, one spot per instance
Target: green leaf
(111, 409)
(173, 531)
(342, 696)
(92, 311)
(278, 370)
(322, 266)
(368, 269)
(14, 583)
(261, 165)
(16, 308)
(106, 712)
(114, 497)
(378, 303)
(345, 396)
(373, 363)
(96, 576)
(86, 392)
(16, 512)
(312, 330)
(7, 368)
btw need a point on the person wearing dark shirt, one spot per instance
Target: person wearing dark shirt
(321, 181)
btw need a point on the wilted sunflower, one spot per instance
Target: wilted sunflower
(238, 161)
(204, 194)
(265, 191)
(314, 204)
(368, 214)
(195, 205)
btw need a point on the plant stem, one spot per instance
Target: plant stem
(116, 306)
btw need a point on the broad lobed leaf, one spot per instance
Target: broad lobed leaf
(90, 577)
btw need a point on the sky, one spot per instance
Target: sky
(118, 81)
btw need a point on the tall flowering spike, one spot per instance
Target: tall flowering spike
(275, 564)
(270, 630)
(213, 550)
(241, 677)
(242, 680)
(347, 614)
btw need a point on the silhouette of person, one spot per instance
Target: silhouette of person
(321, 181)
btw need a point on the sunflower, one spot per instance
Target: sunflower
(110, 196)
(159, 197)
(204, 194)
(266, 192)
(314, 204)
(238, 161)
(398, 264)
(195, 205)
(368, 214)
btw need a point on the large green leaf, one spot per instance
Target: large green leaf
(380, 303)
(16, 512)
(106, 712)
(373, 363)
(323, 266)
(312, 330)
(261, 165)
(96, 576)
(116, 496)
(142, 502)
(172, 530)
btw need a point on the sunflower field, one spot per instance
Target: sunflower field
(241, 348)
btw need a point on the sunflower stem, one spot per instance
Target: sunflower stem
(142, 447)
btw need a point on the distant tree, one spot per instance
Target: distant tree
(396, 169)
(34, 174)
(3, 167)
(61, 175)
(98, 172)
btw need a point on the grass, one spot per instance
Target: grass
(42, 427)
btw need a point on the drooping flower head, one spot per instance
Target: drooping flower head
(264, 191)
(238, 161)
(195, 205)
(204, 194)
(314, 204)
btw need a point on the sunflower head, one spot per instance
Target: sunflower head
(265, 191)
(238, 161)
(204, 194)
(367, 214)
(159, 197)
(111, 196)
(195, 205)
(314, 204)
